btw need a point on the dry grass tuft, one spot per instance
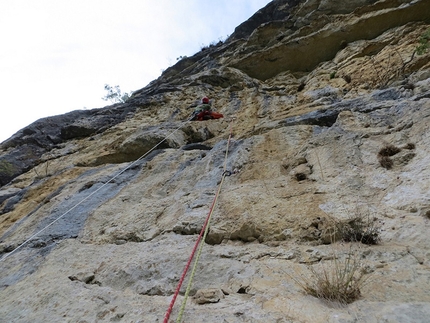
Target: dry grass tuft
(300, 176)
(389, 150)
(385, 153)
(341, 281)
(385, 162)
(360, 228)
(409, 146)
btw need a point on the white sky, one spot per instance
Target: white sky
(56, 55)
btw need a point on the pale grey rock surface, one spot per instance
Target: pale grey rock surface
(119, 220)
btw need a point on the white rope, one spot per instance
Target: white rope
(86, 198)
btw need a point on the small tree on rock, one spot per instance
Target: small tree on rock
(115, 95)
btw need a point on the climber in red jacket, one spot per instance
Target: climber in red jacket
(204, 112)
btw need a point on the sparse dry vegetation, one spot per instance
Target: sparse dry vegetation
(341, 278)
(388, 150)
(390, 65)
(339, 281)
(347, 78)
(385, 162)
(360, 228)
(385, 153)
(409, 146)
(300, 177)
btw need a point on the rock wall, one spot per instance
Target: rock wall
(328, 106)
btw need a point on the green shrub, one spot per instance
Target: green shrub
(423, 43)
(115, 95)
(6, 168)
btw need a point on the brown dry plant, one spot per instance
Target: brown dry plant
(389, 150)
(385, 162)
(409, 146)
(385, 153)
(339, 281)
(359, 228)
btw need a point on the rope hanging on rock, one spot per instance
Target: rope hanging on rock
(86, 198)
(203, 233)
(193, 271)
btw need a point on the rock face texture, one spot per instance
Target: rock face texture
(327, 114)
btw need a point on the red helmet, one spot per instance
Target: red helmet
(205, 100)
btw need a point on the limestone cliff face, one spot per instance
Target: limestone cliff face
(328, 104)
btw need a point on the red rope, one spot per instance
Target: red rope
(175, 295)
(172, 303)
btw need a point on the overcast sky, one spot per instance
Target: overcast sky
(56, 55)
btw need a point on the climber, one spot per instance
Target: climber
(204, 111)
